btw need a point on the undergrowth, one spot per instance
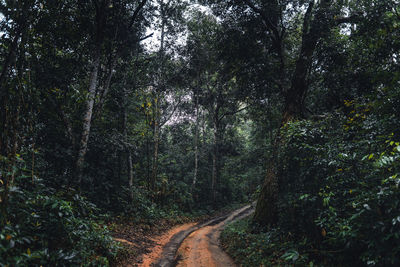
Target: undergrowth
(254, 248)
(50, 229)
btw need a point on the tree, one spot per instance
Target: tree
(293, 62)
(17, 100)
(122, 27)
(170, 16)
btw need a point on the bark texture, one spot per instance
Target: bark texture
(196, 144)
(128, 152)
(87, 118)
(156, 142)
(214, 166)
(314, 28)
(215, 153)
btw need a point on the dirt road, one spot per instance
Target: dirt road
(201, 248)
(198, 245)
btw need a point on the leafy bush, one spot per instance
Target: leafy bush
(339, 184)
(44, 229)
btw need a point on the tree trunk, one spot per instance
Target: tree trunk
(101, 12)
(128, 155)
(159, 87)
(130, 173)
(266, 209)
(214, 178)
(203, 128)
(156, 141)
(148, 160)
(87, 118)
(9, 59)
(106, 87)
(196, 145)
(313, 29)
(126, 140)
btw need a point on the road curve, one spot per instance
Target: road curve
(199, 246)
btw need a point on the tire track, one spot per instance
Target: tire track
(198, 245)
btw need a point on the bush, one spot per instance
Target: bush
(339, 184)
(44, 229)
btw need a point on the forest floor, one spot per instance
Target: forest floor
(189, 244)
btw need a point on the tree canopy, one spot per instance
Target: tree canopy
(149, 109)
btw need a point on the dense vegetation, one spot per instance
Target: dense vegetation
(331, 195)
(147, 109)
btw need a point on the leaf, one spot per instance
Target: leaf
(304, 196)
(291, 254)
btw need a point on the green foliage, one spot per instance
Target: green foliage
(44, 229)
(253, 248)
(220, 98)
(339, 190)
(339, 185)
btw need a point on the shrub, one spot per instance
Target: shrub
(44, 229)
(339, 184)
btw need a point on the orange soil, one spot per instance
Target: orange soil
(161, 241)
(201, 248)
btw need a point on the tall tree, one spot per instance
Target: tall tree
(292, 62)
(170, 22)
(17, 97)
(102, 16)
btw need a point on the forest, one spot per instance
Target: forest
(136, 116)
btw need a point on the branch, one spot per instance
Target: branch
(103, 90)
(277, 34)
(307, 17)
(136, 12)
(172, 113)
(265, 19)
(232, 113)
(352, 19)
(146, 37)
